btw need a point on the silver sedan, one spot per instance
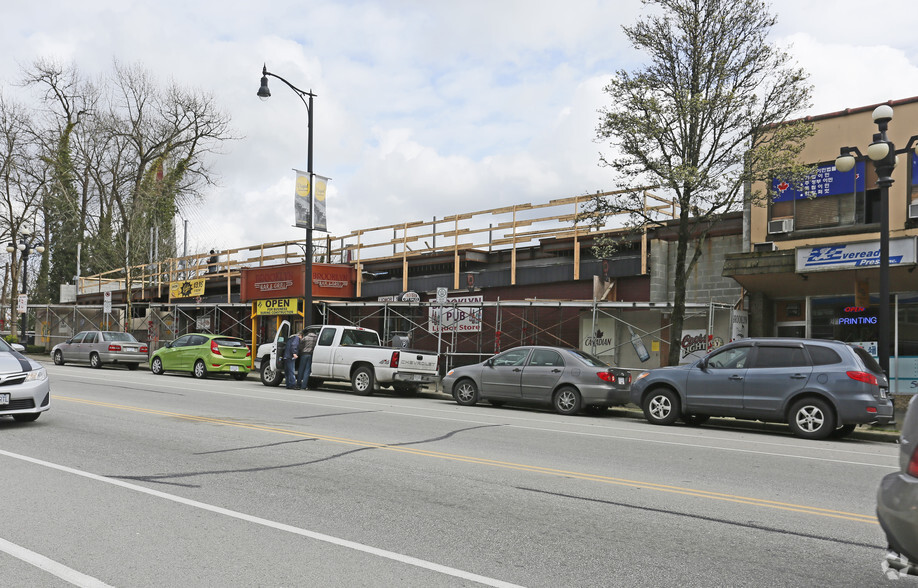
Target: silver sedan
(25, 391)
(897, 502)
(100, 347)
(567, 379)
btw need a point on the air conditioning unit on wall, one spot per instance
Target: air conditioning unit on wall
(781, 225)
(913, 210)
(764, 246)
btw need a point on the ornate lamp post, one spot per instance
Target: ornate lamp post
(26, 246)
(882, 152)
(264, 93)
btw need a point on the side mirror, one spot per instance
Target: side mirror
(169, 344)
(703, 364)
(18, 347)
(489, 363)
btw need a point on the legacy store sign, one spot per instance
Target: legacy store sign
(276, 306)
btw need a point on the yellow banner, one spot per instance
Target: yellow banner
(187, 288)
(276, 306)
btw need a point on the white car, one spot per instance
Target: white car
(25, 391)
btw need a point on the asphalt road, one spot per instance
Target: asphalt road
(140, 480)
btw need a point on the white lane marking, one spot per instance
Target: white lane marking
(502, 419)
(401, 558)
(52, 567)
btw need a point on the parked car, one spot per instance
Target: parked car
(567, 379)
(818, 387)
(355, 355)
(202, 355)
(897, 502)
(25, 391)
(100, 347)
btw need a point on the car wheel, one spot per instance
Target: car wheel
(466, 393)
(843, 431)
(26, 418)
(157, 366)
(362, 381)
(661, 407)
(567, 401)
(811, 418)
(695, 420)
(270, 376)
(95, 361)
(200, 370)
(131, 366)
(237, 376)
(58, 357)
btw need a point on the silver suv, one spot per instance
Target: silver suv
(897, 503)
(818, 387)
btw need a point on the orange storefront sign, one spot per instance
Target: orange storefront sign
(286, 281)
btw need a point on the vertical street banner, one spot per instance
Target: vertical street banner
(302, 200)
(320, 185)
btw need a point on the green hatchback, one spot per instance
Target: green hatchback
(203, 354)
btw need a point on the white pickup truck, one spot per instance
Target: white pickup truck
(352, 354)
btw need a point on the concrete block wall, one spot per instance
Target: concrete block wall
(705, 283)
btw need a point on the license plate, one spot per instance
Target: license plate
(234, 368)
(5, 398)
(882, 392)
(131, 349)
(621, 381)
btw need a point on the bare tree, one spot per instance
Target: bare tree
(707, 116)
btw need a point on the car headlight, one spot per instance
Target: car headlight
(37, 375)
(642, 376)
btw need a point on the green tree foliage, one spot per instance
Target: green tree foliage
(709, 114)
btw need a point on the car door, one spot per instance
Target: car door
(322, 359)
(280, 342)
(541, 374)
(777, 373)
(714, 385)
(171, 356)
(502, 374)
(198, 347)
(69, 351)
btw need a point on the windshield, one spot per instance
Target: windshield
(590, 360)
(225, 342)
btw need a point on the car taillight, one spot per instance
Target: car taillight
(865, 377)
(214, 348)
(248, 352)
(114, 347)
(393, 361)
(144, 348)
(606, 376)
(912, 469)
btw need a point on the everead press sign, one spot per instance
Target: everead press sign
(854, 255)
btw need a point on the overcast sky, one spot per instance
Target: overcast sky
(423, 108)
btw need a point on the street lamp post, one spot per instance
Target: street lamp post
(26, 247)
(882, 152)
(264, 93)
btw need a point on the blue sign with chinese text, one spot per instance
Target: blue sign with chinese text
(826, 181)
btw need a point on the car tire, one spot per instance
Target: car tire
(238, 377)
(695, 420)
(662, 407)
(566, 401)
(26, 418)
(843, 431)
(200, 370)
(811, 418)
(270, 376)
(95, 361)
(363, 381)
(58, 357)
(156, 366)
(131, 366)
(466, 393)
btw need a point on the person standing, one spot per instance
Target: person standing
(291, 350)
(307, 345)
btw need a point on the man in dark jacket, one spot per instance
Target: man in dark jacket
(307, 344)
(291, 351)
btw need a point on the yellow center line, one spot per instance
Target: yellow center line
(501, 464)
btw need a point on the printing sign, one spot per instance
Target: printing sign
(854, 255)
